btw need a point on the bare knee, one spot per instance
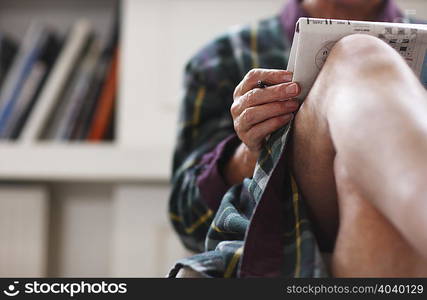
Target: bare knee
(357, 60)
(365, 60)
(360, 44)
(358, 50)
(359, 69)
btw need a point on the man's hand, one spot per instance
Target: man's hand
(258, 112)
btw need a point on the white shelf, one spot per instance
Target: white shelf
(82, 162)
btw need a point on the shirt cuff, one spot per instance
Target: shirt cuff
(210, 181)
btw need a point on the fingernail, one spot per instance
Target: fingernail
(288, 77)
(292, 89)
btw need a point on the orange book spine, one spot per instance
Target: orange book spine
(106, 102)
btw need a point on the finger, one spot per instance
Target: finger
(256, 97)
(255, 136)
(269, 76)
(257, 114)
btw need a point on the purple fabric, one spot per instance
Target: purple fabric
(211, 182)
(264, 259)
(390, 13)
(293, 10)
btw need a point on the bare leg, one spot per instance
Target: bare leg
(358, 151)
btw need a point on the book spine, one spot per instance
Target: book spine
(80, 91)
(56, 82)
(25, 107)
(82, 124)
(106, 103)
(84, 121)
(8, 49)
(56, 117)
(29, 52)
(34, 79)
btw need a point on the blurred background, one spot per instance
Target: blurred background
(89, 94)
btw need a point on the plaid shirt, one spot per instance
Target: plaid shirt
(205, 121)
(258, 228)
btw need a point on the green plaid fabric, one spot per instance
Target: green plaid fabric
(229, 241)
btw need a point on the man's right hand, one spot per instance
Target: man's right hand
(258, 112)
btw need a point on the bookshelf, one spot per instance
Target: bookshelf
(115, 161)
(81, 162)
(81, 199)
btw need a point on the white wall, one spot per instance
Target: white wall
(419, 7)
(143, 244)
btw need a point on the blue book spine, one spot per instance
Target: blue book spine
(27, 60)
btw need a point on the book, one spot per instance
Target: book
(31, 47)
(78, 91)
(105, 106)
(315, 38)
(59, 112)
(84, 118)
(56, 82)
(29, 88)
(8, 50)
(110, 133)
(32, 87)
(84, 121)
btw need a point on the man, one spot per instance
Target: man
(277, 223)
